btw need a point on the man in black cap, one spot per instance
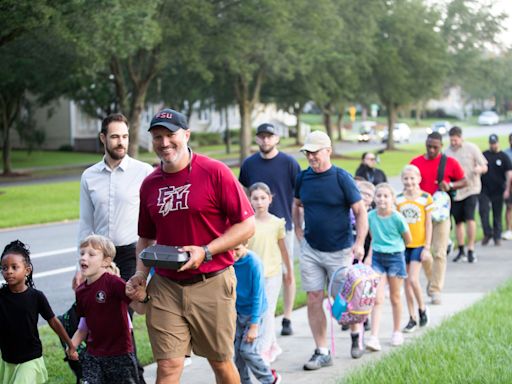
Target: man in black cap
(195, 203)
(278, 170)
(495, 188)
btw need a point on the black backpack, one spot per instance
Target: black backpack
(70, 320)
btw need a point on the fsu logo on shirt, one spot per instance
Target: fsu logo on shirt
(173, 199)
(101, 296)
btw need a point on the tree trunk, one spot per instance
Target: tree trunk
(136, 109)
(327, 119)
(298, 130)
(227, 138)
(391, 124)
(339, 121)
(245, 128)
(9, 110)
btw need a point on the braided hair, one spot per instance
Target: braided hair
(17, 247)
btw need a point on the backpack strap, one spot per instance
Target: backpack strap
(441, 169)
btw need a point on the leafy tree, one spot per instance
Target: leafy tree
(411, 57)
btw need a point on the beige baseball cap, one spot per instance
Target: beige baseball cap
(316, 141)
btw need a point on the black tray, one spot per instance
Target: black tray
(163, 256)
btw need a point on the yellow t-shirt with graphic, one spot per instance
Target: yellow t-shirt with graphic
(264, 243)
(414, 212)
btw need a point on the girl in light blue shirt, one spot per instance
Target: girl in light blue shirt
(390, 234)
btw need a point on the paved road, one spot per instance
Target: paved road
(54, 254)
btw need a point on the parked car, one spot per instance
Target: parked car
(401, 133)
(440, 126)
(366, 131)
(488, 118)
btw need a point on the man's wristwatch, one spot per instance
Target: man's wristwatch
(450, 184)
(146, 299)
(207, 254)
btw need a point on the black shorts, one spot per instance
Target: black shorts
(464, 210)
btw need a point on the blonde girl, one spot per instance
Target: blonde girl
(268, 243)
(416, 207)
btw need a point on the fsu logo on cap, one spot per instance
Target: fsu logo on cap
(164, 115)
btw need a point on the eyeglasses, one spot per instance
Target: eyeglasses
(309, 153)
(371, 158)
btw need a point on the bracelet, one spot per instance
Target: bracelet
(146, 299)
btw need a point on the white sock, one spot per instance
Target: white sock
(323, 351)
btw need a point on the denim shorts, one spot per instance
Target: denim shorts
(390, 264)
(413, 254)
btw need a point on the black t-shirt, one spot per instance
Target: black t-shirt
(373, 175)
(498, 163)
(19, 312)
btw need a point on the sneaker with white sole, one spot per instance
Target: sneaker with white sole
(373, 344)
(411, 326)
(276, 376)
(318, 361)
(507, 235)
(424, 317)
(397, 339)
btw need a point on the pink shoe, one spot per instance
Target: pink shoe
(275, 350)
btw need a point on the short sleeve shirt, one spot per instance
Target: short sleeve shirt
(387, 232)
(327, 198)
(414, 212)
(429, 167)
(192, 207)
(469, 156)
(265, 244)
(493, 182)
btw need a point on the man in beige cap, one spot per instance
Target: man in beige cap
(324, 196)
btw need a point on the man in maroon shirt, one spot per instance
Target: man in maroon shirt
(453, 179)
(196, 203)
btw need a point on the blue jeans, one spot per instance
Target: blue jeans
(247, 356)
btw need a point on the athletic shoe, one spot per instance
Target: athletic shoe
(373, 344)
(486, 239)
(188, 361)
(436, 299)
(507, 235)
(471, 257)
(366, 324)
(449, 247)
(318, 361)
(275, 350)
(424, 317)
(345, 327)
(286, 329)
(497, 242)
(356, 350)
(397, 339)
(411, 326)
(276, 376)
(460, 257)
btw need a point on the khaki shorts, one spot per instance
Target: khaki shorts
(199, 317)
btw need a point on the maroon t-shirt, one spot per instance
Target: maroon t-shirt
(428, 169)
(104, 305)
(192, 207)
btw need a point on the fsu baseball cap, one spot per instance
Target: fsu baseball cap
(493, 139)
(169, 119)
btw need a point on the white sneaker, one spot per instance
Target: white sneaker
(188, 361)
(397, 339)
(373, 344)
(507, 235)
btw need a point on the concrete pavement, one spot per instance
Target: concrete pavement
(465, 284)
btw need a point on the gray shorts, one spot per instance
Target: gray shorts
(289, 241)
(316, 266)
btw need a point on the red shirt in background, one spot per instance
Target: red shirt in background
(428, 169)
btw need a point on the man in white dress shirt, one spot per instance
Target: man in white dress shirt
(109, 197)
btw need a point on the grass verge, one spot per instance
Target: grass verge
(473, 346)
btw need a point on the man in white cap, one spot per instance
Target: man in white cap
(324, 196)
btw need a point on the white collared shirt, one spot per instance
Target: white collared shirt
(109, 200)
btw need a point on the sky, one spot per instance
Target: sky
(506, 6)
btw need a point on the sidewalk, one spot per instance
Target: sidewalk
(465, 284)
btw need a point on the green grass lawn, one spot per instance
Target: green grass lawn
(473, 346)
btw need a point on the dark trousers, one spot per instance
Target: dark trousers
(127, 262)
(485, 202)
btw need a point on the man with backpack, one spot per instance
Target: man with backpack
(439, 173)
(324, 196)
